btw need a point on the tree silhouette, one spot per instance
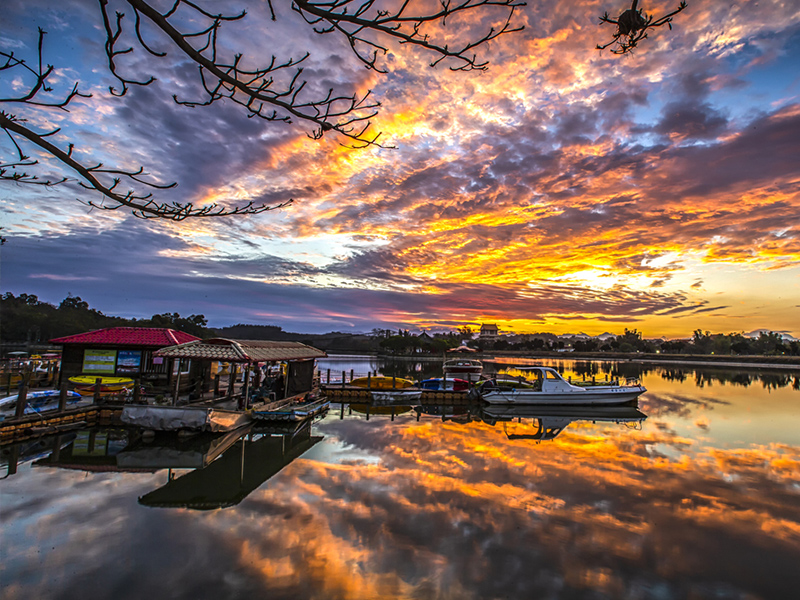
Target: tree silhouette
(277, 91)
(632, 26)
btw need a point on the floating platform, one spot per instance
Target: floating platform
(175, 418)
(339, 393)
(290, 410)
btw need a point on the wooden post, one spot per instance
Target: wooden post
(216, 385)
(137, 390)
(369, 380)
(394, 382)
(344, 376)
(177, 390)
(56, 454)
(329, 377)
(232, 381)
(341, 411)
(351, 375)
(98, 382)
(62, 398)
(22, 396)
(12, 459)
(246, 391)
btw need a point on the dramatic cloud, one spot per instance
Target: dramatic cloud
(563, 185)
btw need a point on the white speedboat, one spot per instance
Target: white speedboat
(546, 386)
(463, 368)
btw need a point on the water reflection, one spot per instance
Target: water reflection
(702, 500)
(544, 423)
(418, 369)
(223, 469)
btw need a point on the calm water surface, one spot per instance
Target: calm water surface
(699, 500)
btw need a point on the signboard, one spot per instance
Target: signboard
(129, 361)
(99, 361)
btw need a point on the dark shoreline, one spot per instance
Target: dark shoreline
(704, 360)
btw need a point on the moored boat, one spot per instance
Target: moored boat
(400, 396)
(38, 401)
(549, 387)
(85, 384)
(381, 382)
(439, 384)
(463, 368)
(295, 410)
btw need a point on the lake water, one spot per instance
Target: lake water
(701, 499)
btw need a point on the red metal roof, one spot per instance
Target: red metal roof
(157, 337)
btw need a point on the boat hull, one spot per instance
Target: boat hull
(380, 382)
(299, 411)
(85, 384)
(396, 396)
(586, 397)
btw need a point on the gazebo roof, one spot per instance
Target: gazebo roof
(252, 351)
(151, 337)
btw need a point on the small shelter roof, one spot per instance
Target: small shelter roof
(252, 351)
(462, 349)
(152, 337)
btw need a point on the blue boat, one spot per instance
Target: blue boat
(439, 384)
(38, 401)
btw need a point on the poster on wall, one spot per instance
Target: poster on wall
(99, 361)
(129, 361)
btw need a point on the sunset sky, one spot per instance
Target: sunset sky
(564, 189)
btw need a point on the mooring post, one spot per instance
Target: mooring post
(62, 397)
(369, 380)
(344, 376)
(341, 410)
(22, 397)
(56, 454)
(329, 377)
(12, 459)
(394, 382)
(351, 375)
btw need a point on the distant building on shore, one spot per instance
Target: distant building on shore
(489, 332)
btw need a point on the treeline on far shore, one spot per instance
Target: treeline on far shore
(29, 322)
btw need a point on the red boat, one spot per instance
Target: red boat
(463, 368)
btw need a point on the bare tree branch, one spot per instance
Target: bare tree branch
(332, 15)
(276, 91)
(142, 205)
(632, 27)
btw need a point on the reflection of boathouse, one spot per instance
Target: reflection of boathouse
(225, 468)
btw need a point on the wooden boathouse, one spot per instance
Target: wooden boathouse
(296, 376)
(123, 352)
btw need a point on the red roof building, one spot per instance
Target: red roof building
(148, 337)
(123, 352)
